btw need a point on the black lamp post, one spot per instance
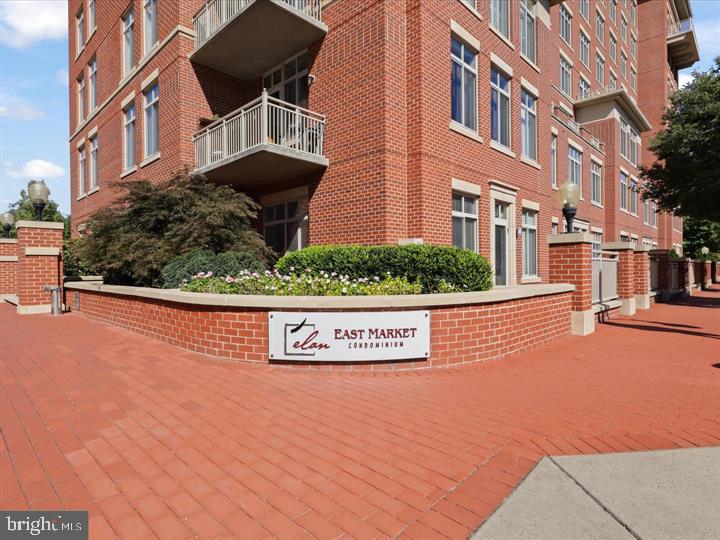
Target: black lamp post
(569, 195)
(38, 193)
(7, 219)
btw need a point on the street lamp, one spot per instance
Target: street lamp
(568, 195)
(38, 193)
(7, 219)
(704, 250)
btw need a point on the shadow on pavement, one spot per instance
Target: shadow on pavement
(651, 328)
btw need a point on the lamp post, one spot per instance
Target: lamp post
(568, 196)
(38, 193)
(7, 219)
(705, 250)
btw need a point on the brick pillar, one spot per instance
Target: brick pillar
(8, 266)
(684, 269)
(39, 249)
(571, 262)
(625, 274)
(707, 274)
(662, 256)
(715, 272)
(641, 268)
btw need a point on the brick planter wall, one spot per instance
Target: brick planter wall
(460, 334)
(8, 266)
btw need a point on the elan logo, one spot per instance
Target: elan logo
(301, 339)
(71, 525)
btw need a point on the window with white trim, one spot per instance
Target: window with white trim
(624, 183)
(282, 226)
(500, 16)
(94, 162)
(565, 25)
(646, 212)
(553, 160)
(600, 69)
(612, 82)
(633, 193)
(128, 23)
(565, 76)
(80, 99)
(129, 136)
(463, 84)
(464, 221)
(575, 166)
(92, 70)
(500, 107)
(91, 16)
(633, 78)
(528, 233)
(623, 28)
(585, 9)
(470, 3)
(82, 171)
(583, 87)
(612, 48)
(623, 64)
(633, 46)
(600, 26)
(653, 215)
(150, 33)
(527, 29)
(595, 182)
(151, 98)
(596, 244)
(629, 142)
(613, 10)
(584, 48)
(633, 11)
(528, 124)
(79, 31)
(289, 80)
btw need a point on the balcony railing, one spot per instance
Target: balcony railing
(597, 92)
(263, 121)
(680, 27)
(217, 12)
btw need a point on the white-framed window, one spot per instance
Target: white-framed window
(575, 166)
(623, 64)
(527, 29)
(600, 26)
(150, 34)
(633, 46)
(553, 159)
(646, 212)
(653, 215)
(623, 28)
(633, 78)
(471, 3)
(502, 243)
(128, 23)
(92, 71)
(82, 171)
(528, 233)
(500, 16)
(565, 25)
(565, 76)
(94, 162)
(282, 226)
(500, 107)
(600, 69)
(528, 123)
(464, 221)
(633, 11)
(596, 244)
(463, 84)
(79, 31)
(612, 81)
(129, 136)
(633, 193)
(624, 183)
(612, 48)
(151, 98)
(585, 9)
(289, 81)
(91, 16)
(80, 99)
(613, 10)
(584, 48)
(583, 87)
(596, 182)
(629, 142)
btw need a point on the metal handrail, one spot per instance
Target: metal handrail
(680, 27)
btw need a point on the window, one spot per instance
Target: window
(129, 136)
(79, 31)
(623, 28)
(471, 3)
(565, 76)
(289, 80)
(527, 29)
(633, 78)
(596, 245)
(653, 215)
(82, 186)
(281, 226)
(128, 42)
(613, 80)
(565, 25)
(152, 125)
(553, 160)
(500, 107)
(81, 99)
(502, 244)
(633, 192)
(463, 84)
(554, 228)
(575, 166)
(149, 24)
(633, 46)
(584, 49)
(529, 243)
(613, 10)
(91, 16)
(596, 183)
(623, 64)
(464, 221)
(600, 26)
(92, 68)
(583, 87)
(646, 213)
(612, 48)
(500, 16)
(629, 142)
(585, 9)
(528, 122)
(623, 190)
(599, 69)
(94, 147)
(633, 11)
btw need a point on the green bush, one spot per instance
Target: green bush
(73, 265)
(230, 263)
(436, 268)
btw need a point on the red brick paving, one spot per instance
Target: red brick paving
(156, 441)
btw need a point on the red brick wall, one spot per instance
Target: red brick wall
(641, 268)
(460, 335)
(36, 271)
(572, 263)
(626, 274)
(8, 269)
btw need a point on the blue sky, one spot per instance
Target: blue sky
(33, 91)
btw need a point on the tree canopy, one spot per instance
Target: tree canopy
(699, 233)
(685, 179)
(25, 211)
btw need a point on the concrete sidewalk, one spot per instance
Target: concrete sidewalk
(662, 494)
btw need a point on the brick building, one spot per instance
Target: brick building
(385, 121)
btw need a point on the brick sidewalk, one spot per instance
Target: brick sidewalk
(156, 441)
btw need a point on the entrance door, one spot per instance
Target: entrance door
(502, 255)
(289, 80)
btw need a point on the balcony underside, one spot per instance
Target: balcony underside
(683, 50)
(261, 36)
(263, 165)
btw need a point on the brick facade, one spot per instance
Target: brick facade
(8, 266)
(39, 249)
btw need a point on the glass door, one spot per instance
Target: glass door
(501, 244)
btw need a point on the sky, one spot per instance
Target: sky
(34, 91)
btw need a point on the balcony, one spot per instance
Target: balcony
(265, 141)
(682, 44)
(597, 104)
(245, 38)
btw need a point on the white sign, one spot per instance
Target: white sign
(349, 336)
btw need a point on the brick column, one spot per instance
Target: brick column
(662, 256)
(571, 262)
(707, 274)
(641, 268)
(715, 272)
(685, 266)
(8, 266)
(625, 274)
(39, 248)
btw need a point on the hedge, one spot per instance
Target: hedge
(436, 268)
(230, 263)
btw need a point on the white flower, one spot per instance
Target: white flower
(344, 289)
(209, 274)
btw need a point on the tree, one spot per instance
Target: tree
(685, 179)
(699, 233)
(152, 223)
(25, 211)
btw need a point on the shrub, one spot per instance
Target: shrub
(230, 263)
(304, 284)
(436, 268)
(73, 265)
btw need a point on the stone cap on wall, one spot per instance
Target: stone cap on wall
(617, 246)
(8, 240)
(501, 294)
(40, 225)
(570, 238)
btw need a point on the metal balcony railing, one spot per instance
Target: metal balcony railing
(680, 27)
(598, 92)
(265, 120)
(217, 12)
